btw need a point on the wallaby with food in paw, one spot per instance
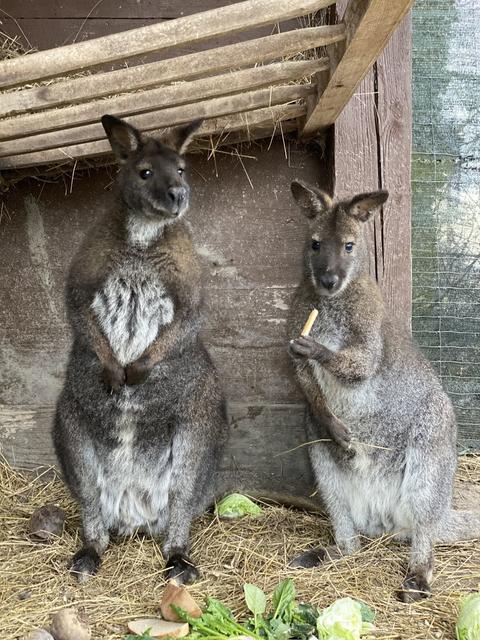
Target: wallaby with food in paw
(393, 472)
(140, 423)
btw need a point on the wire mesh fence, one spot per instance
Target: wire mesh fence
(446, 200)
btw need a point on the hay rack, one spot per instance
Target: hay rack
(49, 112)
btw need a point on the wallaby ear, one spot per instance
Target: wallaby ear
(311, 200)
(363, 206)
(180, 137)
(124, 139)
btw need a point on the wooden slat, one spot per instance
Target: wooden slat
(156, 37)
(369, 25)
(394, 110)
(152, 74)
(236, 103)
(102, 147)
(171, 95)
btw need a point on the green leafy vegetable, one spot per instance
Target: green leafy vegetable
(283, 600)
(145, 636)
(342, 620)
(468, 623)
(236, 506)
(368, 615)
(255, 598)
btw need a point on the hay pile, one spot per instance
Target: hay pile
(34, 583)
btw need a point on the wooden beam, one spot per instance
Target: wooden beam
(212, 126)
(142, 76)
(236, 103)
(156, 37)
(369, 25)
(154, 99)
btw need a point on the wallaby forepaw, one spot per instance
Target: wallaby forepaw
(307, 347)
(137, 372)
(341, 435)
(113, 378)
(414, 588)
(182, 570)
(85, 564)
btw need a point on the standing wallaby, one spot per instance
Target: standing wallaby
(141, 421)
(397, 476)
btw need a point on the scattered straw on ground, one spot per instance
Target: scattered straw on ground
(34, 582)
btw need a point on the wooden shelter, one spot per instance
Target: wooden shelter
(258, 69)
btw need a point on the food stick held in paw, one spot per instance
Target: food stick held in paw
(309, 323)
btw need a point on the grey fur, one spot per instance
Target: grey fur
(397, 476)
(141, 422)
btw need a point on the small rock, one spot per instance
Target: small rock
(38, 634)
(68, 625)
(46, 523)
(24, 595)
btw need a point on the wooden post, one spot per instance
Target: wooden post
(369, 24)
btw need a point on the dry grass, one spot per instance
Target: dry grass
(34, 582)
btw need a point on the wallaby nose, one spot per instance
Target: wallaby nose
(329, 280)
(177, 195)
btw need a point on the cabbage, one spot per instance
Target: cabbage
(236, 506)
(342, 620)
(468, 623)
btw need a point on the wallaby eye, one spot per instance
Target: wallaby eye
(315, 245)
(349, 247)
(181, 170)
(146, 173)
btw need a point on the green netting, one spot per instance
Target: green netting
(446, 199)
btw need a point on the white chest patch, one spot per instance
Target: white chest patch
(133, 489)
(131, 308)
(377, 504)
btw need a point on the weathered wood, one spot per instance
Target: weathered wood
(143, 76)
(373, 151)
(150, 122)
(119, 46)
(132, 9)
(369, 24)
(394, 110)
(169, 96)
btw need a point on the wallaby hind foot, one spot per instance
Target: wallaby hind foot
(181, 569)
(415, 587)
(85, 564)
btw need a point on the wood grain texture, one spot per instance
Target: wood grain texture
(61, 120)
(369, 24)
(182, 67)
(154, 37)
(373, 151)
(272, 115)
(132, 9)
(395, 136)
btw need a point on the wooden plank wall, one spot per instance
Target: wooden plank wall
(373, 142)
(247, 230)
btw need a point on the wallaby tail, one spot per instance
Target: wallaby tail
(459, 525)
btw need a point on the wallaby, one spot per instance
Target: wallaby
(140, 423)
(396, 477)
